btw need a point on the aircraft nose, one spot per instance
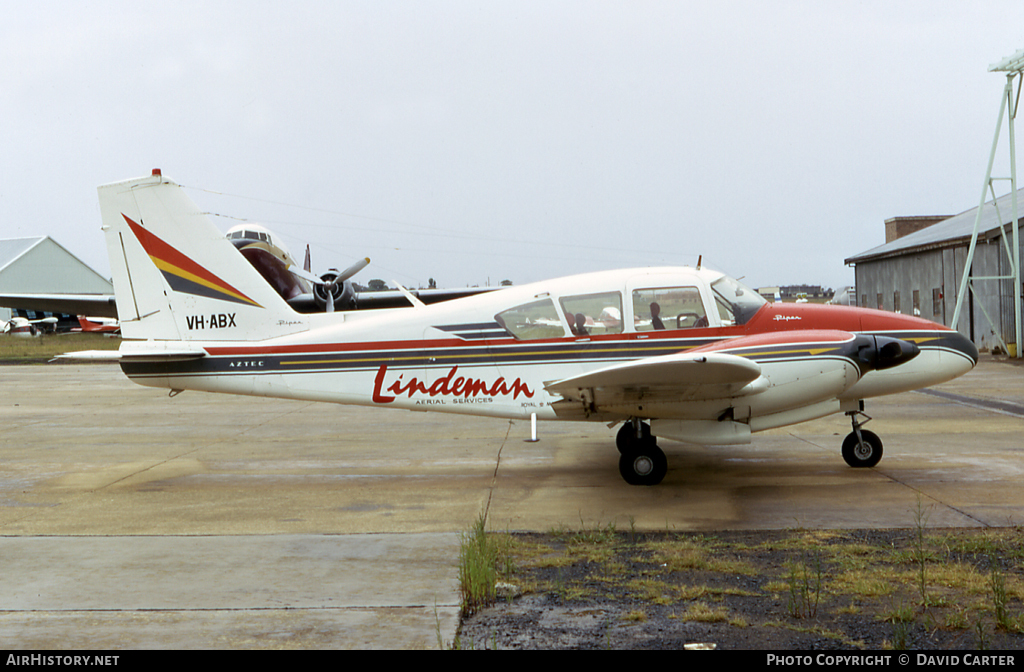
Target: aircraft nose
(963, 346)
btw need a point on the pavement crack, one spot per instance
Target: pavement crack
(494, 476)
(897, 481)
(938, 502)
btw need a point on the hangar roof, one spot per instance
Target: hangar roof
(953, 231)
(35, 265)
(13, 248)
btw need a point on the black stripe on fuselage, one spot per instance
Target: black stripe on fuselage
(476, 330)
(490, 354)
(514, 353)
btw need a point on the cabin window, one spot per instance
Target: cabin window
(737, 303)
(668, 308)
(530, 321)
(593, 314)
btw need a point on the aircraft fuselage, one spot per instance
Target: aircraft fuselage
(458, 357)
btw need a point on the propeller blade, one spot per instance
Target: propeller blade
(305, 265)
(353, 269)
(329, 285)
(345, 275)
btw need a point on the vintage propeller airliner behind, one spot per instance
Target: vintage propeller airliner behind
(686, 354)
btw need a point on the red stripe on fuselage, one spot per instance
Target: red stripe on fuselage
(475, 344)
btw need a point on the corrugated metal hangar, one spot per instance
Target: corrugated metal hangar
(918, 270)
(43, 266)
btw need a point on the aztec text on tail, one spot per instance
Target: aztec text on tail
(686, 354)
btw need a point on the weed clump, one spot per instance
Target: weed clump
(478, 572)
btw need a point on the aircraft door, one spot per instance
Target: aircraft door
(532, 356)
(460, 372)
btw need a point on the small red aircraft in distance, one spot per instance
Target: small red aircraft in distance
(680, 353)
(98, 325)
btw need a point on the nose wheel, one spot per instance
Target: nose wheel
(862, 449)
(641, 461)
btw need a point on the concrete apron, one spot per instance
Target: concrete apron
(265, 591)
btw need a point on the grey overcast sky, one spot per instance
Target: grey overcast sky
(474, 141)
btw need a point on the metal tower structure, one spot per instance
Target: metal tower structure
(1013, 66)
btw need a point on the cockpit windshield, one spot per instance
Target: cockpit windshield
(737, 303)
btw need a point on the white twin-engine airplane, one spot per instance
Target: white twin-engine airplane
(676, 353)
(24, 327)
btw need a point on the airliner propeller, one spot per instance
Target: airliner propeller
(331, 286)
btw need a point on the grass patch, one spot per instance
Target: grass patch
(901, 585)
(44, 348)
(701, 612)
(478, 573)
(696, 553)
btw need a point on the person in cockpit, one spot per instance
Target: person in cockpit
(655, 320)
(581, 325)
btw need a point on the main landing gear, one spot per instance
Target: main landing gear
(861, 448)
(641, 462)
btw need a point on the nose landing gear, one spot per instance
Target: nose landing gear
(861, 448)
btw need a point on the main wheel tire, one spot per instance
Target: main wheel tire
(862, 456)
(646, 465)
(626, 440)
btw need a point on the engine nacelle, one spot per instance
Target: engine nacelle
(343, 292)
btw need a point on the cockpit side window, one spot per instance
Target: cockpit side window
(737, 303)
(530, 321)
(593, 314)
(668, 308)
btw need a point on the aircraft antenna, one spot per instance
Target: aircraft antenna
(1013, 66)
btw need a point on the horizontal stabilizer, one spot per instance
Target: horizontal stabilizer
(135, 355)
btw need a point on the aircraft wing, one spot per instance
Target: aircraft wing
(390, 298)
(682, 376)
(93, 305)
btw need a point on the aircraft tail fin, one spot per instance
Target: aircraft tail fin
(176, 277)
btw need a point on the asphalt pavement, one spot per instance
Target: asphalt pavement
(130, 519)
